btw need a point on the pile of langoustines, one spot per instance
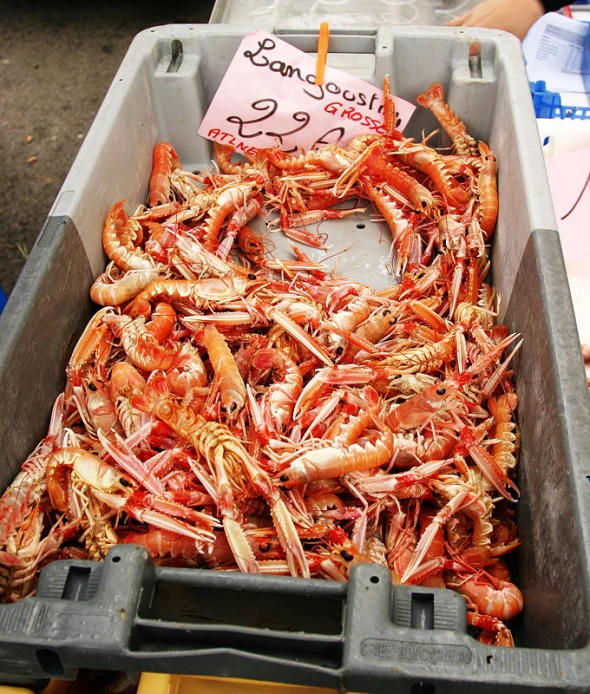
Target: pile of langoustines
(233, 410)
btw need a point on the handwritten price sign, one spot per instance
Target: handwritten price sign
(269, 98)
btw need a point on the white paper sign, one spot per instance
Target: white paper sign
(554, 49)
(269, 98)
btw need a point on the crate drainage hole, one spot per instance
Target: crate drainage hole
(50, 662)
(475, 61)
(360, 226)
(587, 478)
(374, 579)
(177, 55)
(116, 559)
(489, 659)
(76, 582)
(422, 611)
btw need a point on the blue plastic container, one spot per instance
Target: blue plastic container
(548, 104)
(3, 300)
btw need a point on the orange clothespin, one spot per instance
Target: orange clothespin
(323, 41)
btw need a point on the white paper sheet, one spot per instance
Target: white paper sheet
(553, 49)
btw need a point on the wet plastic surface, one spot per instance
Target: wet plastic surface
(340, 14)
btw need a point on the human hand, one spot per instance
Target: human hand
(515, 16)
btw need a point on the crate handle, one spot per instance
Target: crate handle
(134, 616)
(128, 615)
(359, 42)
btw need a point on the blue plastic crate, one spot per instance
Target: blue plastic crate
(548, 104)
(3, 300)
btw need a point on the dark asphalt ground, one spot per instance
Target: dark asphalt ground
(57, 60)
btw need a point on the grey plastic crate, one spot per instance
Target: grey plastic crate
(341, 14)
(367, 635)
